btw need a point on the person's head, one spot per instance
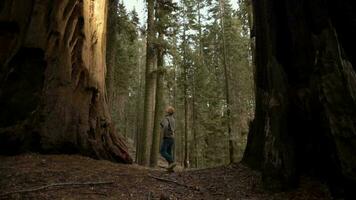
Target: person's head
(170, 110)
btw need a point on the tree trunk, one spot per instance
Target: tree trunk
(195, 96)
(110, 54)
(194, 124)
(305, 93)
(185, 94)
(227, 88)
(52, 92)
(139, 104)
(149, 87)
(159, 108)
(186, 115)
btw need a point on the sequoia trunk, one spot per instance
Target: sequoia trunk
(305, 93)
(52, 92)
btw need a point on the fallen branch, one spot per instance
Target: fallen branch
(94, 193)
(55, 185)
(175, 182)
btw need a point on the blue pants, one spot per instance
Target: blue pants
(166, 149)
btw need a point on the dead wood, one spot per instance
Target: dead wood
(175, 182)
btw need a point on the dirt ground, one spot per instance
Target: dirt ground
(33, 176)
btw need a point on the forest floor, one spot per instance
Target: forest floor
(32, 176)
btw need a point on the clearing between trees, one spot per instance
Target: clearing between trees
(33, 176)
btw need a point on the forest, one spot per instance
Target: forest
(177, 99)
(201, 51)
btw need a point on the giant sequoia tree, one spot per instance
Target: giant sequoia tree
(305, 93)
(52, 88)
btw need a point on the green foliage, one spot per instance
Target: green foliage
(123, 58)
(194, 80)
(199, 55)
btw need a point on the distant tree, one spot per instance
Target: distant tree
(226, 65)
(122, 56)
(163, 22)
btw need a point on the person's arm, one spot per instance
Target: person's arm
(161, 123)
(173, 125)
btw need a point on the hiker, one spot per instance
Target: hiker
(168, 126)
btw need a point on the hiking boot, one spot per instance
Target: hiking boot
(172, 166)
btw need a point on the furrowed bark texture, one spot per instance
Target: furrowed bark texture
(150, 83)
(305, 93)
(52, 89)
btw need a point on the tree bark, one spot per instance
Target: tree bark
(159, 108)
(195, 96)
(149, 84)
(186, 116)
(227, 85)
(52, 90)
(305, 93)
(139, 104)
(185, 94)
(110, 54)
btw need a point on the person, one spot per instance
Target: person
(168, 127)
